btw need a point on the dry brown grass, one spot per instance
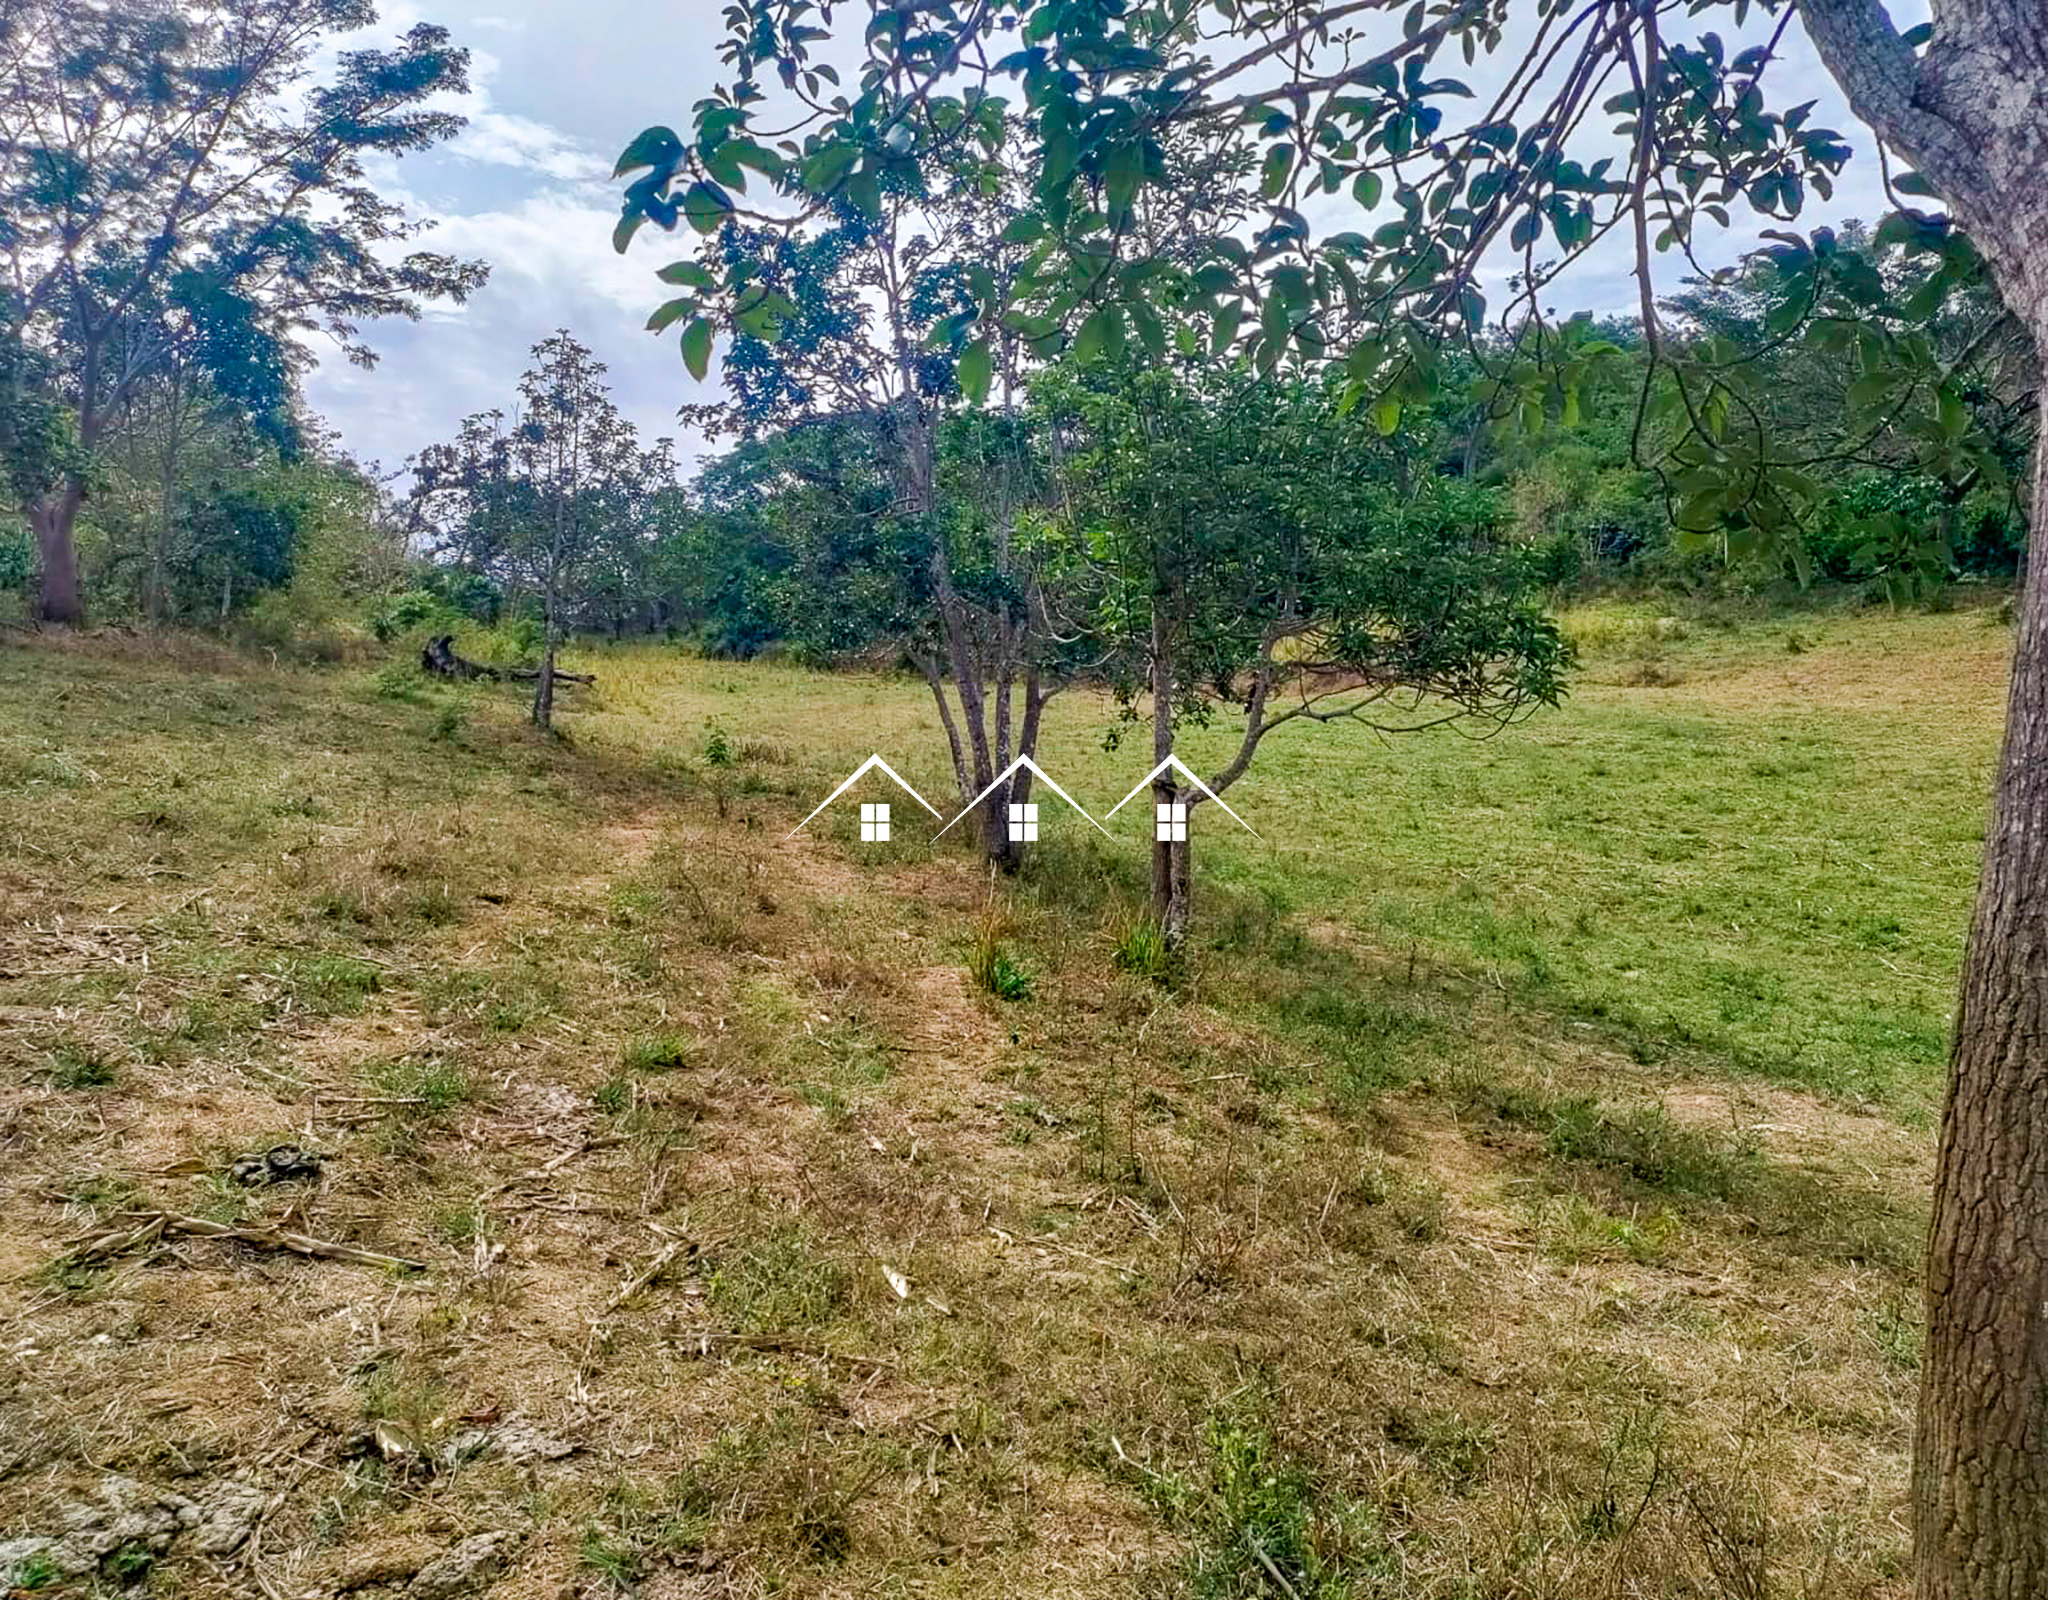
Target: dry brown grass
(1127, 1288)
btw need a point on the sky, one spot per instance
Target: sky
(558, 89)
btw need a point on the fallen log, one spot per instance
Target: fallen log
(440, 659)
(532, 675)
(147, 1227)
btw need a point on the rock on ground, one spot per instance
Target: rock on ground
(132, 1515)
(469, 1564)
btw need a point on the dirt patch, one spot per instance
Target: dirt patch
(1800, 1130)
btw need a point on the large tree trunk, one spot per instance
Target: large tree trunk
(1970, 111)
(1980, 1457)
(53, 520)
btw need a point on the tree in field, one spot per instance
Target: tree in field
(468, 506)
(792, 515)
(644, 509)
(854, 328)
(574, 449)
(861, 318)
(548, 501)
(1646, 120)
(1252, 551)
(213, 391)
(165, 168)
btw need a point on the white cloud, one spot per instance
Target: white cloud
(557, 240)
(505, 139)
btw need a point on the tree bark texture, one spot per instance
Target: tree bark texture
(1980, 1458)
(53, 520)
(1971, 112)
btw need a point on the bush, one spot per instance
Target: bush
(17, 558)
(414, 611)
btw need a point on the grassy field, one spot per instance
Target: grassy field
(1517, 1191)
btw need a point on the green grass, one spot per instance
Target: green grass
(1766, 863)
(657, 1052)
(434, 1085)
(776, 1283)
(1260, 1525)
(1516, 1186)
(994, 965)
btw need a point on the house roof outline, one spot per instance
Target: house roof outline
(1181, 767)
(1043, 777)
(854, 777)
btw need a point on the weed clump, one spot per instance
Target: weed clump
(432, 1086)
(74, 1066)
(1258, 1525)
(991, 965)
(657, 1052)
(777, 1285)
(1140, 948)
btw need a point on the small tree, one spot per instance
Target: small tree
(860, 313)
(551, 500)
(1253, 551)
(571, 445)
(852, 326)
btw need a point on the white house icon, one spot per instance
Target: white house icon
(1022, 820)
(874, 819)
(1170, 820)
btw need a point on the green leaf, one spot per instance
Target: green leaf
(651, 147)
(748, 153)
(1057, 163)
(864, 189)
(977, 366)
(1292, 285)
(706, 206)
(671, 311)
(1023, 230)
(1366, 189)
(1225, 332)
(1275, 320)
(688, 274)
(1386, 416)
(1094, 334)
(628, 225)
(1273, 179)
(1151, 332)
(1122, 172)
(762, 314)
(697, 348)
(823, 171)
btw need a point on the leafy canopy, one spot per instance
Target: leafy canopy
(1389, 165)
